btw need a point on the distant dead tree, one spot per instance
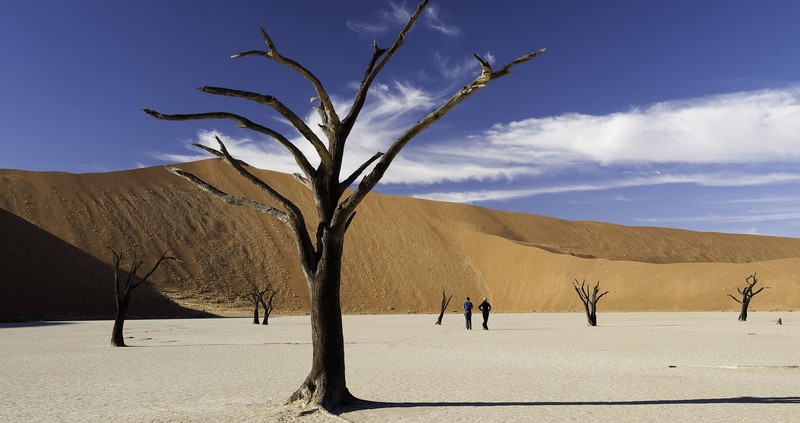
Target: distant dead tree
(125, 281)
(589, 302)
(747, 294)
(320, 242)
(255, 296)
(267, 305)
(445, 302)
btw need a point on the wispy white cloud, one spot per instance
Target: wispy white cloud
(722, 179)
(398, 13)
(386, 20)
(745, 127)
(396, 16)
(763, 216)
(365, 28)
(761, 199)
(433, 21)
(724, 131)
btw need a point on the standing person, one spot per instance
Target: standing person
(468, 313)
(485, 307)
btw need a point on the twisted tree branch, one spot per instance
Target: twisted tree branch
(272, 53)
(218, 153)
(230, 199)
(734, 298)
(281, 108)
(163, 257)
(298, 155)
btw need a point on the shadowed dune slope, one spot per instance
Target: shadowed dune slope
(399, 251)
(44, 277)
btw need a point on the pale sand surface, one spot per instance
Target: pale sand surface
(528, 367)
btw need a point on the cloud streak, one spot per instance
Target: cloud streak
(772, 215)
(741, 133)
(432, 20)
(746, 127)
(396, 16)
(722, 179)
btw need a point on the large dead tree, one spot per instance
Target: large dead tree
(589, 301)
(445, 302)
(321, 249)
(125, 281)
(747, 294)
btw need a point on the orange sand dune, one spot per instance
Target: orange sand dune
(399, 251)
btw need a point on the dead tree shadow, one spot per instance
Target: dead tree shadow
(374, 405)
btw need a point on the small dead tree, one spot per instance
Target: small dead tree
(267, 304)
(445, 302)
(255, 296)
(747, 294)
(124, 284)
(258, 296)
(589, 302)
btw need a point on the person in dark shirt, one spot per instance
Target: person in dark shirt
(468, 313)
(485, 307)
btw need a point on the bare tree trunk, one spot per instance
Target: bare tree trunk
(325, 385)
(117, 339)
(591, 312)
(268, 307)
(743, 313)
(591, 317)
(255, 313)
(445, 302)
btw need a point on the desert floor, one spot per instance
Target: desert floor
(528, 367)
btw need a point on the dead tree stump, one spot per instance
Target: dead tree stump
(444, 306)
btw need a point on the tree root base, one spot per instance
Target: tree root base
(311, 399)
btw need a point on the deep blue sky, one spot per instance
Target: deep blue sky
(678, 113)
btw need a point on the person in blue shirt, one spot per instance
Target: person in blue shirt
(468, 313)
